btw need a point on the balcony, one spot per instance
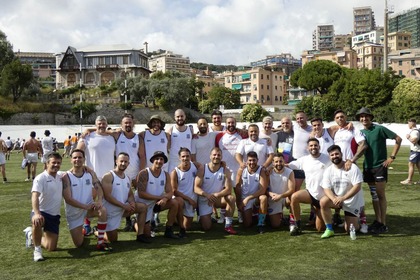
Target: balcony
(100, 67)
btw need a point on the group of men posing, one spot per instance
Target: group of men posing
(119, 173)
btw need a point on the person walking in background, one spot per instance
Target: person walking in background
(31, 151)
(47, 144)
(67, 146)
(3, 152)
(9, 145)
(414, 158)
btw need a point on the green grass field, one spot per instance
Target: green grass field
(214, 255)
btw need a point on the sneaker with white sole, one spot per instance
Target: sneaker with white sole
(364, 228)
(221, 220)
(28, 237)
(38, 255)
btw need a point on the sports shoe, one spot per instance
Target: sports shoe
(28, 237)
(182, 233)
(27, 180)
(364, 228)
(240, 219)
(327, 234)
(260, 229)
(214, 219)
(406, 182)
(295, 230)
(230, 230)
(221, 220)
(87, 230)
(337, 221)
(104, 247)
(143, 239)
(128, 225)
(374, 225)
(38, 255)
(380, 229)
(170, 234)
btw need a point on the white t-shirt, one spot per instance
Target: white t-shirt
(300, 141)
(260, 147)
(228, 143)
(343, 138)
(202, 145)
(51, 192)
(314, 169)
(131, 147)
(47, 144)
(341, 181)
(415, 147)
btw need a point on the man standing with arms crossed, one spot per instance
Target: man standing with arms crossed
(375, 165)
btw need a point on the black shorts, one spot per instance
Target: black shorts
(349, 214)
(315, 202)
(51, 223)
(299, 174)
(379, 174)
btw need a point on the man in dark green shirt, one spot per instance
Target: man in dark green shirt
(375, 165)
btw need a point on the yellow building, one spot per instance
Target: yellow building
(406, 63)
(345, 57)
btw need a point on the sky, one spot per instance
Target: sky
(209, 31)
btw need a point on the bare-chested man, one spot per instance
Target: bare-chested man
(31, 151)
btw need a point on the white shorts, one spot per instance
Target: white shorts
(150, 204)
(250, 204)
(188, 210)
(204, 208)
(114, 220)
(2, 159)
(76, 218)
(275, 207)
(32, 157)
(351, 209)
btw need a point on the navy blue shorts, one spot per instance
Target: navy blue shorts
(299, 174)
(51, 223)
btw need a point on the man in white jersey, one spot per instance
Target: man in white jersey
(154, 139)
(325, 136)
(214, 188)
(47, 144)
(343, 189)
(47, 193)
(216, 118)
(153, 188)
(267, 131)
(203, 142)
(99, 148)
(80, 188)
(119, 200)
(254, 143)
(314, 166)
(250, 191)
(9, 146)
(181, 136)
(182, 181)
(281, 186)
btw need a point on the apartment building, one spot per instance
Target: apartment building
(399, 40)
(345, 57)
(363, 20)
(342, 41)
(406, 62)
(43, 66)
(283, 62)
(323, 37)
(408, 21)
(99, 65)
(164, 61)
(258, 85)
(368, 37)
(369, 55)
(209, 79)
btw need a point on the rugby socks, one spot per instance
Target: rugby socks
(292, 219)
(101, 232)
(362, 216)
(87, 222)
(329, 226)
(261, 219)
(228, 222)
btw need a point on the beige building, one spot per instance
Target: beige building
(399, 40)
(342, 41)
(369, 55)
(168, 61)
(258, 85)
(99, 65)
(363, 20)
(43, 65)
(323, 37)
(345, 57)
(209, 80)
(406, 62)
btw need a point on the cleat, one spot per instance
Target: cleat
(221, 220)
(295, 230)
(380, 229)
(104, 247)
(260, 229)
(170, 234)
(143, 239)
(38, 255)
(28, 237)
(230, 230)
(87, 230)
(364, 228)
(327, 234)
(182, 233)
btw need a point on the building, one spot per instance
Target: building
(406, 62)
(408, 21)
(363, 20)
(99, 65)
(399, 40)
(345, 57)
(283, 62)
(43, 66)
(369, 55)
(374, 37)
(164, 61)
(323, 37)
(342, 41)
(258, 85)
(210, 79)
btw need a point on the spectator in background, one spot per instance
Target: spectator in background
(414, 159)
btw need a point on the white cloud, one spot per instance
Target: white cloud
(211, 31)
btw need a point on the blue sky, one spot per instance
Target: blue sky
(210, 31)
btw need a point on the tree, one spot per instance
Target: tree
(253, 113)
(317, 75)
(6, 51)
(15, 79)
(406, 100)
(220, 95)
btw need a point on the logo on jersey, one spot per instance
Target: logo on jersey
(128, 185)
(87, 182)
(188, 136)
(220, 177)
(162, 182)
(162, 140)
(134, 145)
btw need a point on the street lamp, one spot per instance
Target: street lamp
(81, 99)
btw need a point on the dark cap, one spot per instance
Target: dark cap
(159, 154)
(156, 117)
(365, 111)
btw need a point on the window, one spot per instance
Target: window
(262, 86)
(276, 98)
(268, 87)
(268, 77)
(275, 77)
(413, 72)
(262, 76)
(400, 62)
(268, 97)
(107, 60)
(280, 98)
(413, 62)
(400, 72)
(254, 76)
(125, 59)
(275, 87)
(255, 87)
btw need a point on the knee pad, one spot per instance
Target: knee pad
(373, 193)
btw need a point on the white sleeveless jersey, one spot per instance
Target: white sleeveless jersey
(250, 182)
(186, 181)
(213, 182)
(100, 152)
(153, 143)
(178, 139)
(155, 186)
(131, 147)
(120, 190)
(343, 138)
(279, 182)
(325, 141)
(81, 190)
